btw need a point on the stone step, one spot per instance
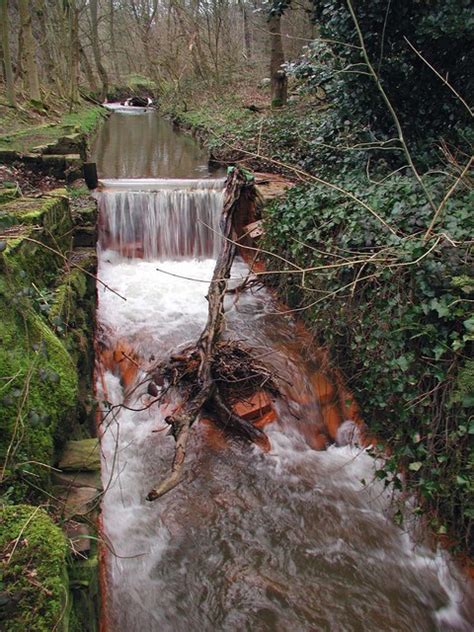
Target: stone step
(79, 536)
(85, 236)
(78, 501)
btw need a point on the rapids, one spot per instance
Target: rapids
(290, 540)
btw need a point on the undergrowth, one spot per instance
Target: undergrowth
(395, 311)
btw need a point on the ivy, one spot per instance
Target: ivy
(442, 30)
(401, 330)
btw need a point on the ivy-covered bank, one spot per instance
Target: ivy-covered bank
(391, 303)
(394, 309)
(47, 299)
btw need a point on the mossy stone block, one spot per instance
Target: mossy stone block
(35, 573)
(81, 455)
(42, 393)
(51, 211)
(85, 215)
(85, 236)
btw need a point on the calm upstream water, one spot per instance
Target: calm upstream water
(290, 540)
(146, 146)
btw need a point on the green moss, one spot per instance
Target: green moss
(51, 211)
(81, 456)
(46, 312)
(38, 361)
(40, 389)
(71, 314)
(31, 255)
(84, 582)
(26, 136)
(132, 84)
(78, 191)
(8, 193)
(34, 570)
(135, 80)
(85, 120)
(85, 215)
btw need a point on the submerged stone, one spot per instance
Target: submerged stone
(255, 407)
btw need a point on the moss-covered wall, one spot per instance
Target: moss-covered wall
(47, 305)
(33, 570)
(39, 375)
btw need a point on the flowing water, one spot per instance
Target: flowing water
(288, 540)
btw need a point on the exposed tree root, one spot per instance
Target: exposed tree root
(213, 374)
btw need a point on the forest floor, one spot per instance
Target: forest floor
(240, 126)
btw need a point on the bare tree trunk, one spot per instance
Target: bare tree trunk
(95, 47)
(7, 60)
(54, 34)
(73, 53)
(44, 44)
(19, 58)
(247, 37)
(87, 68)
(29, 50)
(113, 47)
(277, 59)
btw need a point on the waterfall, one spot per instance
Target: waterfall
(161, 219)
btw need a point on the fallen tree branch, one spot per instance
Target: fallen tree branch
(192, 369)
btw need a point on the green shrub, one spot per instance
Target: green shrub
(395, 312)
(443, 30)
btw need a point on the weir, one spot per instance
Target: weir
(159, 219)
(293, 539)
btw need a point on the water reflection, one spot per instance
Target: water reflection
(147, 146)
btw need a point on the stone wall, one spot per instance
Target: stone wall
(47, 306)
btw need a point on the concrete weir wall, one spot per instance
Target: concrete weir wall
(50, 482)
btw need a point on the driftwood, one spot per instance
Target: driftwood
(206, 372)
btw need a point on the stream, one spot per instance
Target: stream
(292, 539)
